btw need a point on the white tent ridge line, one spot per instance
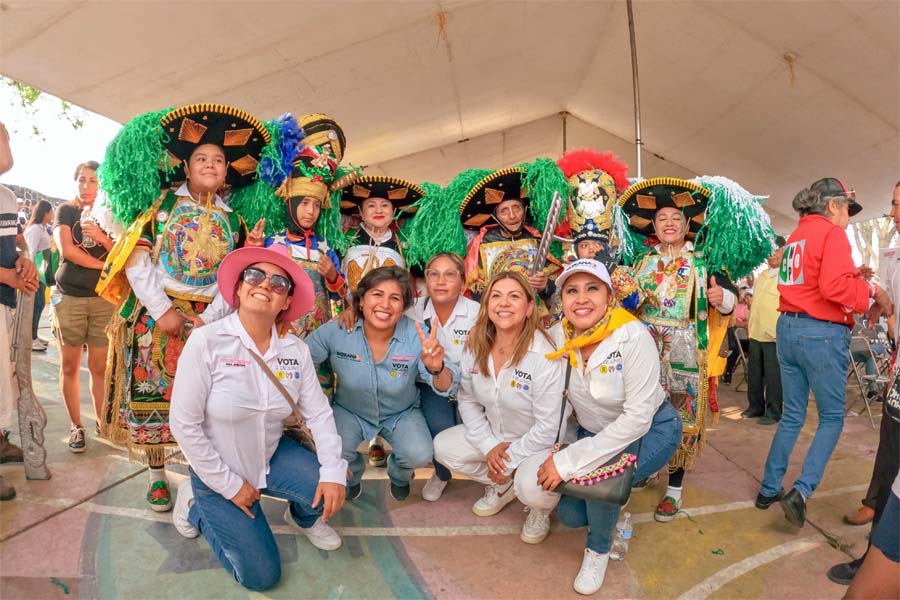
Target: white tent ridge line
(717, 96)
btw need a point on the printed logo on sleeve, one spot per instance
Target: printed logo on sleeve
(791, 270)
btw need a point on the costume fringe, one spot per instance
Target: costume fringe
(155, 454)
(736, 236)
(135, 160)
(114, 382)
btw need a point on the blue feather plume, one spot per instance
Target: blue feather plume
(274, 171)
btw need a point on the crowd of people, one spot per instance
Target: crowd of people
(264, 310)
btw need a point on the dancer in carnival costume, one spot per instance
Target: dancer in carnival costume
(380, 201)
(508, 197)
(597, 180)
(513, 199)
(687, 242)
(162, 272)
(295, 201)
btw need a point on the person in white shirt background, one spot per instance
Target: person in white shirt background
(227, 414)
(454, 315)
(618, 402)
(38, 239)
(509, 397)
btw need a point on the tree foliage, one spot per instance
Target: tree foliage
(32, 100)
(872, 235)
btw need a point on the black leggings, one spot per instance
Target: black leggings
(676, 478)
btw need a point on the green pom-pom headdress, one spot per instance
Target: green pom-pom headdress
(437, 227)
(726, 222)
(737, 235)
(130, 170)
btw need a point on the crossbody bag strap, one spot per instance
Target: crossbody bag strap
(277, 384)
(565, 396)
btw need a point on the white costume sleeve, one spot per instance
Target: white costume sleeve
(146, 281)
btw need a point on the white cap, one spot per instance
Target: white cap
(585, 265)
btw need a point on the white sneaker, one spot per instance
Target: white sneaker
(537, 525)
(184, 498)
(434, 488)
(593, 571)
(494, 499)
(320, 535)
(38, 346)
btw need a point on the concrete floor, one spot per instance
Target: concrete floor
(88, 532)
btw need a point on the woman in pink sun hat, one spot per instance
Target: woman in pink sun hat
(237, 380)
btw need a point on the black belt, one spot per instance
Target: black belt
(799, 315)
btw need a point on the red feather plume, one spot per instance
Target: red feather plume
(575, 161)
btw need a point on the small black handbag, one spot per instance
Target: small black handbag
(610, 482)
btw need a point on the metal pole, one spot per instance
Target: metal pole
(637, 92)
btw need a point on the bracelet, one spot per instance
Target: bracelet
(438, 372)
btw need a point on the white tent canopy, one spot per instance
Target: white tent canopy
(771, 94)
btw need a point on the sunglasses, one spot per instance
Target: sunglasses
(278, 284)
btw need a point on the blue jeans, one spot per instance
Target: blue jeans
(812, 354)
(409, 439)
(654, 450)
(246, 547)
(39, 301)
(440, 414)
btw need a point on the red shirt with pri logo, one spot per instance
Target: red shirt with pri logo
(817, 274)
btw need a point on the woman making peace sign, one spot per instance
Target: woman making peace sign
(377, 364)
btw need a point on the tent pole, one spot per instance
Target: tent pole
(565, 141)
(637, 92)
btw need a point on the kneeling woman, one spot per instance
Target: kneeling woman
(228, 409)
(509, 398)
(619, 404)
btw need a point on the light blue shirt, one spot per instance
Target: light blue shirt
(381, 392)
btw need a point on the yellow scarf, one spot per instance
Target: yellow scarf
(612, 320)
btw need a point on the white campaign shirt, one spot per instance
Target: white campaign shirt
(453, 334)
(519, 404)
(37, 239)
(228, 416)
(150, 281)
(616, 397)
